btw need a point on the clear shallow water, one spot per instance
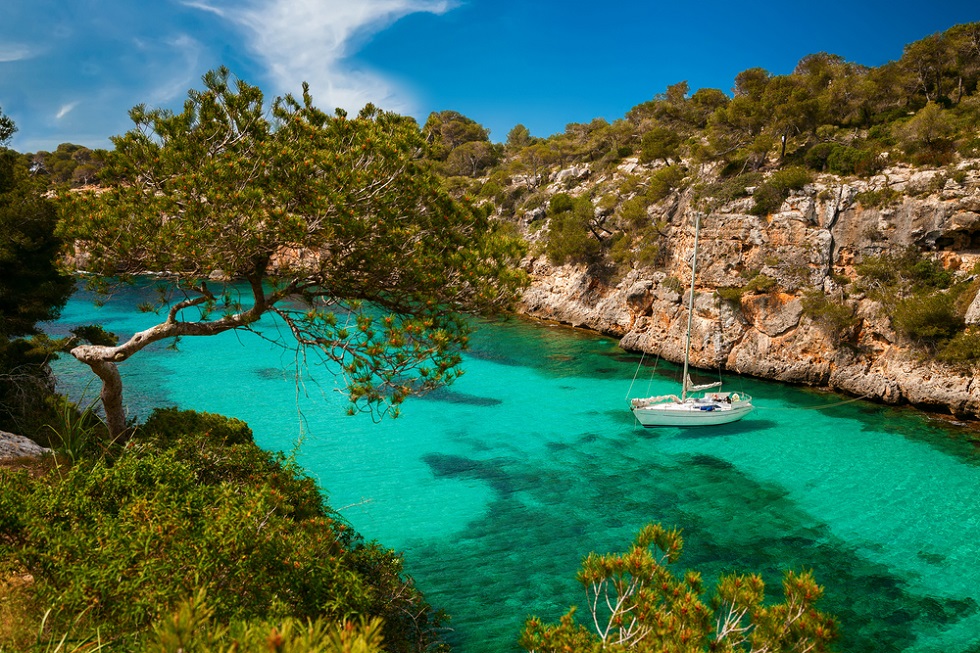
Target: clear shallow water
(497, 486)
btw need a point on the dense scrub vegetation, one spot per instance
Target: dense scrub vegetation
(926, 302)
(635, 602)
(191, 516)
(603, 194)
(33, 288)
(767, 138)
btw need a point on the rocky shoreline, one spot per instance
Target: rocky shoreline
(813, 242)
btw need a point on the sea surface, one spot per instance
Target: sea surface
(495, 488)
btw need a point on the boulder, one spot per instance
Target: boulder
(17, 446)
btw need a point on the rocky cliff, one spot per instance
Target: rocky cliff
(812, 242)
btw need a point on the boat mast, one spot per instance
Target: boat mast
(690, 305)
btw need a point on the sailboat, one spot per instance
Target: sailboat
(695, 406)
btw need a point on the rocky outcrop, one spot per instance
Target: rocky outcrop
(17, 446)
(812, 242)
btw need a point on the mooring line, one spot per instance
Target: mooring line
(833, 405)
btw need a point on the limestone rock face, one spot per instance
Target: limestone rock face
(973, 312)
(809, 245)
(17, 446)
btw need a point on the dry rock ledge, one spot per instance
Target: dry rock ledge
(812, 242)
(17, 446)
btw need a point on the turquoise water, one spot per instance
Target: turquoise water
(495, 488)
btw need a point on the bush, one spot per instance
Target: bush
(560, 203)
(659, 143)
(816, 157)
(833, 315)
(907, 271)
(123, 543)
(730, 189)
(193, 629)
(769, 195)
(641, 248)
(760, 283)
(842, 159)
(961, 348)
(570, 238)
(633, 214)
(731, 294)
(636, 602)
(927, 319)
(878, 198)
(168, 424)
(663, 181)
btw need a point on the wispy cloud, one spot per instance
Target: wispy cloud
(65, 110)
(203, 6)
(184, 68)
(312, 40)
(14, 52)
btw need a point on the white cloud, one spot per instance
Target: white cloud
(14, 52)
(204, 7)
(311, 40)
(183, 69)
(65, 110)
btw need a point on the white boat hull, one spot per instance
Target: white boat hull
(692, 412)
(708, 409)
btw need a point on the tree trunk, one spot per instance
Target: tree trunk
(111, 395)
(103, 359)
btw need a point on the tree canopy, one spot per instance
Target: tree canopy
(7, 128)
(635, 603)
(33, 288)
(337, 226)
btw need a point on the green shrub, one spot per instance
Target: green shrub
(169, 424)
(760, 283)
(833, 315)
(491, 190)
(881, 133)
(124, 542)
(927, 319)
(903, 272)
(621, 249)
(561, 202)
(769, 195)
(663, 181)
(962, 348)
(816, 157)
(878, 198)
(674, 284)
(570, 238)
(841, 159)
(731, 294)
(969, 147)
(192, 628)
(75, 432)
(659, 143)
(730, 189)
(633, 214)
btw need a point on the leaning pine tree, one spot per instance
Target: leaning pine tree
(334, 225)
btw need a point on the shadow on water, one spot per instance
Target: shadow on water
(747, 425)
(546, 510)
(450, 396)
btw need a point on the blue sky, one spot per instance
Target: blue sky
(71, 69)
